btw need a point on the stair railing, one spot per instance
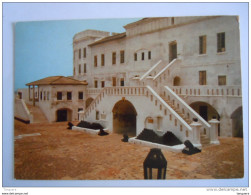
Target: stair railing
(182, 104)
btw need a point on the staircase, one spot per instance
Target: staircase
(38, 115)
(188, 121)
(204, 140)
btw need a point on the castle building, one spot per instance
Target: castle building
(160, 74)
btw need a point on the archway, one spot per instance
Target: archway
(88, 102)
(206, 111)
(237, 122)
(124, 118)
(63, 114)
(176, 81)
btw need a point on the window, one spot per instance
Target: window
(79, 53)
(84, 68)
(149, 55)
(102, 84)
(97, 115)
(68, 95)
(114, 81)
(59, 95)
(44, 95)
(80, 95)
(222, 80)
(172, 20)
(48, 95)
(221, 42)
(84, 52)
(79, 68)
(122, 82)
(202, 77)
(95, 61)
(96, 84)
(113, 57)
(142, 56)
(102, 59)
(203, 44)
(41, 95)
(135, 56)
(122, 56)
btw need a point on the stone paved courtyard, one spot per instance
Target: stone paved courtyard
(62, 154)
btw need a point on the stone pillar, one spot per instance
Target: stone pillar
(214, 131)
(29, 93)
(196, 126)
(33, 95)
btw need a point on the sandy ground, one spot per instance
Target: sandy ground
(62, 154)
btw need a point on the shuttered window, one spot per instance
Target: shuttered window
(203, 44)
(221, 42)
(202, 77)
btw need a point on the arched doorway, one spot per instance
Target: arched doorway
(88, 102)
(206, 111)
(176, 81)
(63, 114)
(237, 123)
(124, 118)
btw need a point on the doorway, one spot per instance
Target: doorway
(172, 51)
(124, 118)
(203, 112)
(63, 115)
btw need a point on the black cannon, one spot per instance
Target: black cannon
(190, 149)
(125, 138)
(70, 125)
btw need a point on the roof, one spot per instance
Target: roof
(109, 38)
(57, 80)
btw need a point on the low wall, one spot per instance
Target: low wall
(21, 112)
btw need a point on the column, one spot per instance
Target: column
(29, 93)
(214, 131)
(195, 131)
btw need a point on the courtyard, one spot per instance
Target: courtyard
(53, 152)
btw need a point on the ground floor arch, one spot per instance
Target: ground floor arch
(63, 114)
(206, 111)
(124, 118)
(237, 122)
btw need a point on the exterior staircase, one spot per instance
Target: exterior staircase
(38, 115)
(204, 140)
(188, 121)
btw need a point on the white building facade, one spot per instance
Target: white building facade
(162, 73)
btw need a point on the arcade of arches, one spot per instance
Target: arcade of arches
(124, 118)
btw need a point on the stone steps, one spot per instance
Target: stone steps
(38, 115)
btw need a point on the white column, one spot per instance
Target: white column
(214, 131)
(196, 132)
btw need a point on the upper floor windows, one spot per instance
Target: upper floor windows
(135, 56)
(122, 56)
(149, 55)
(79, 53)
(84, 52)
(113, 58)
(95, 61)
(221, 42)
(202, 77)
(69, 95)
(142, 56)
(80, 95)
(172, 20)
(222, 80)
(96, 84)
(79, 68)
(85, 68)
(59, 95)
(203, 44)
(102, 59)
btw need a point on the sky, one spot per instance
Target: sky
(44, 48)
(37, 42)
